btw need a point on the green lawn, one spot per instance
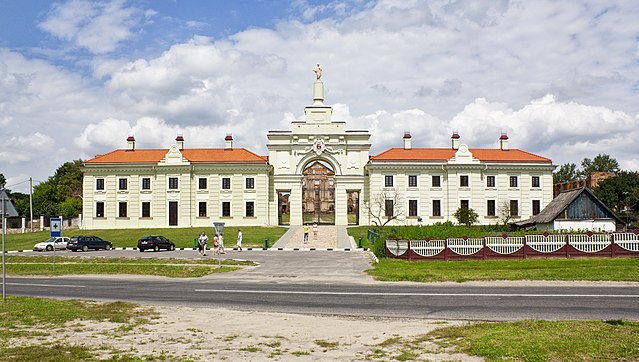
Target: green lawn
(253, 236)
(612, 269)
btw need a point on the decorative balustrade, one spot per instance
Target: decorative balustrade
(506, 246)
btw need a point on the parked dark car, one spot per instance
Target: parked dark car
(85, 243)
(155, 242)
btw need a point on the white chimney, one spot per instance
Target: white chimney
(407, 140)
(229, 141)
(503, 142)
(179, 141)
(455, 140)
(130, 143)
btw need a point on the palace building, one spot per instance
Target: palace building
(318, 171)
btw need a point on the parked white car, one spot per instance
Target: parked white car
(59, 243)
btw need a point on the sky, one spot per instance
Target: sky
(560, 78)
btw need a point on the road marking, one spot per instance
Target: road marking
(49, 285)
(419, 294)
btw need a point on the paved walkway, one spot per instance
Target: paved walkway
(328, 236)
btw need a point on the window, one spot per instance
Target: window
(201, 183)
(412, 181)
(122, 184)
(173, 183)
(201, 209)
(388, 208)
(146, 209)
(121, 209)
(514, 208)
(388, 181)
(513, 181)
(536, 207)
(490, 208)
(463, 181)
(250, 183)
(436, 181)
(99, 184)
(464, 204)
(535, 181)
(146, 183)
(490, 181)
(99, 209)
(226, 183)
(412, 207)
(226, 209)
(250, 209)
(437, 207)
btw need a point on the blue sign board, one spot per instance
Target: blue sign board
(56, 226)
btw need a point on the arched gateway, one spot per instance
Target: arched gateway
(318, 168)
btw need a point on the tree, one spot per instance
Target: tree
(567, 172)
(466, 216)
(384, 207)
(621, 194)
(3, 181)
(504, 212)
(601, 163)
(52, 196)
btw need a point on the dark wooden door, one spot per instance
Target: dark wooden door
(173, 213)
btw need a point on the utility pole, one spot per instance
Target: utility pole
(4, 230)
(31, 202)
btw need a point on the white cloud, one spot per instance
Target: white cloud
(25, 148)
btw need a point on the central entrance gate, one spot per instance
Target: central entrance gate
(318, 194)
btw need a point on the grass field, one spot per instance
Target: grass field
(253, 236)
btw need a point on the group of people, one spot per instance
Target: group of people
(218, 243)
(306, 230)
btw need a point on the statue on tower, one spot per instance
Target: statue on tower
(318, 72)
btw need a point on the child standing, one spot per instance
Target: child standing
(315, 231)
(305, 233)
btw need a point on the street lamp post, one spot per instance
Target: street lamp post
(4, 231)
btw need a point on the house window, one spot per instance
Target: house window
(122, 184)
(490, 208)
(250, 183)
(412, 181)
(535, 181)
(490, 181)
(514, 208)
(436, 181)
(513, 181)
(121, 209)
(201, 209)
(173, 183)
(99, 209)
(99, 184)
(437, 207)
(464, 204)
(146, 183)
(201, 183)
(226, 183)
(250, 209)
(536, 207)
(389, 208)
(463, 181)
(388, 181)
(412, 207)
(146, 209)
(226, 209)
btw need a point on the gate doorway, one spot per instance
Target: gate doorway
(353, 207)
(283, 208)
(318, 194)
(173, 213)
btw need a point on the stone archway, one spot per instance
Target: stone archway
(318, 193)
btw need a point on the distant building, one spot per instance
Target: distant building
(590, 182)
(316, 172)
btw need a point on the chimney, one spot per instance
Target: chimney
(454, 140)
(130, 142)
(179, 141)
(503, 142)
(229, 141)
(407, 143)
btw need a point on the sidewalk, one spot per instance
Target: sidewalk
(328, 237)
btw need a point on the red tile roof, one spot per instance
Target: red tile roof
(191, 154)
(443, 154)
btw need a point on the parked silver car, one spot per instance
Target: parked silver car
(59, 243)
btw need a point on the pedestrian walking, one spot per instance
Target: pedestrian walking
(239, 240)
(305, 233)
(221, 244)
(216, 245)
(201, 243)
(315, 231)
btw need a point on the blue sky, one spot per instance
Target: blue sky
(77, 77)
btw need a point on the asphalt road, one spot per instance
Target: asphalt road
(334, 283)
